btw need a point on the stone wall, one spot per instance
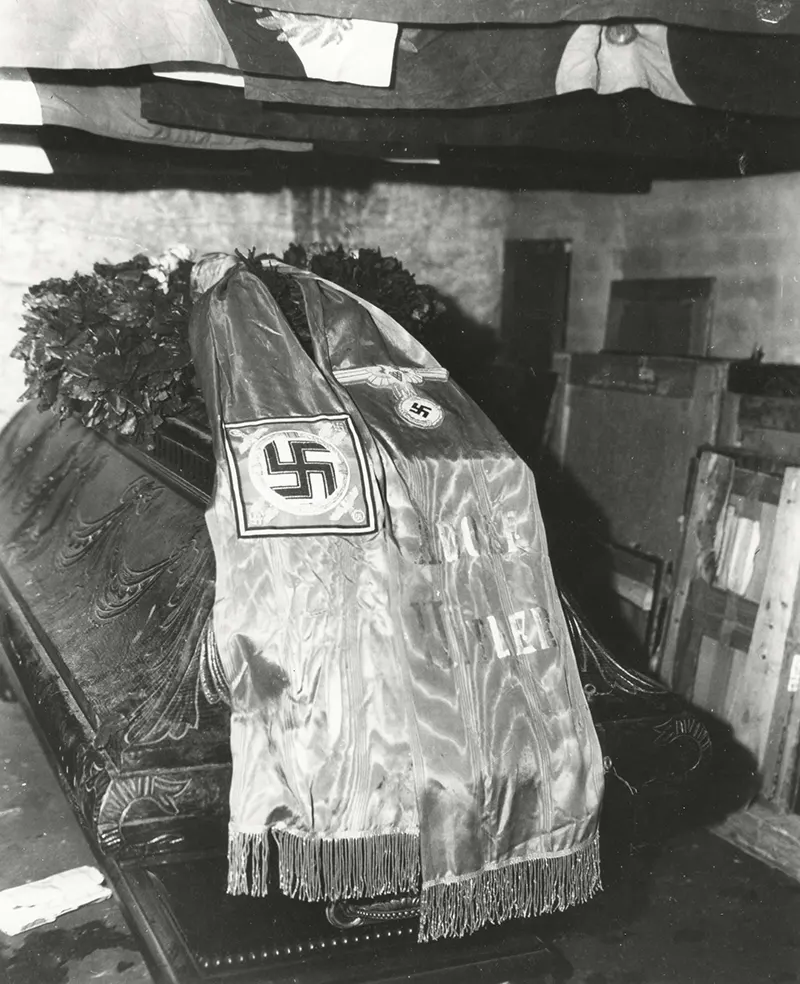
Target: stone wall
(53, 233)
(745, 233)
(593, 223)
(449, 237)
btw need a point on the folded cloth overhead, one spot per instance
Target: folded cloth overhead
(767, 16)
(108, 111)
(405, 699)
(457, 69)
(640, 125)
(91, 34)
(491, 66)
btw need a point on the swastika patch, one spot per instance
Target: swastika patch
(420, 411)
(299, 475)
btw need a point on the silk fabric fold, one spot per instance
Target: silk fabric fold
(406, 707)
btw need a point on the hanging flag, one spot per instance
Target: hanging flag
(109, 111)
(90, 34)
(456, 69)
(749, 16)
(485, 67)
(632, 124)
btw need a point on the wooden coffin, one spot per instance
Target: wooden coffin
(106, 586)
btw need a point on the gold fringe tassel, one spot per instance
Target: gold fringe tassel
(315, 868)
(523, 888)
(248, 862)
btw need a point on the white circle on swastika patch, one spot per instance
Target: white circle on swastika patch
(420, 411)
(298, 471)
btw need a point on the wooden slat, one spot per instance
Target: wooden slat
(707, 659)
(710, 493)
(779, 443)
(728, 432)
(782, 757)
(761, 569)
(760, 486)
(754, 692)
(778, 413)
(766, 834)
(557, 426)
(787, 784)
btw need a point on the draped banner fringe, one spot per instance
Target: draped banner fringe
(248, 862)
(315, 868)
(523, 888)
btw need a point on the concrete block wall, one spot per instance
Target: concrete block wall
(52, 233)
(593, 223)
(450, 237)
(744, 232)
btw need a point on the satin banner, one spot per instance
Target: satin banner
(406, 705)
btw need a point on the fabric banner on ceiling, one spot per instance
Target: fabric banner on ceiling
(109, 111)
(90, 34)
(458, 69)
(754, 16)
(738, 72)
(576, 122)
(483, 67)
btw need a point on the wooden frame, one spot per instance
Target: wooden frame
(741, 662)
(640, 310)
(743, 667)
(606, 410)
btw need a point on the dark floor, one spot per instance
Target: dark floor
(696, 911)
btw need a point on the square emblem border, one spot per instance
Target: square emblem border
(368, 485)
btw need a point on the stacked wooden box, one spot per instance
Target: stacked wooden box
(693, 466)
(625, 434)
(710, 483)
(733, 640)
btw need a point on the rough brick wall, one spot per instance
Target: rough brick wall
(593, 223)
(746, 233)
(53, 233)
(450, 237)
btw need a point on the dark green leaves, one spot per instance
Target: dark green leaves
(110, 348)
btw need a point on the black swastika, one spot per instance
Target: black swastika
(420, 410)
(300, 469)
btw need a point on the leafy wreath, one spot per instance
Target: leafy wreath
(112, 349)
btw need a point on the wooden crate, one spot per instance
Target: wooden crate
(620, 590)
(761, 409)
(732, 644)
(624, 434)
(665, 316)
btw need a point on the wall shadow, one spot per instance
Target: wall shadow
(517, 399)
